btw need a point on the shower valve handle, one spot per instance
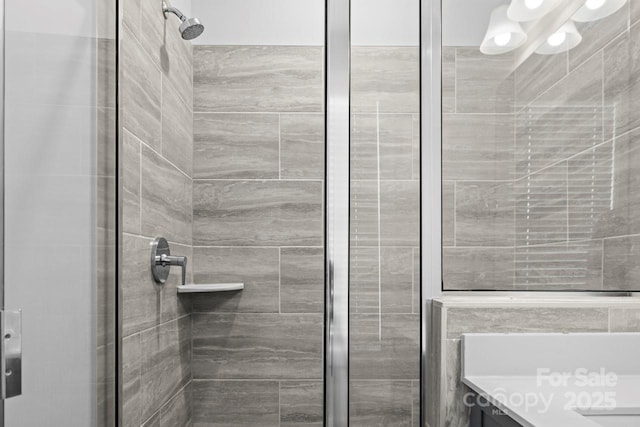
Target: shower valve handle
(168, 260)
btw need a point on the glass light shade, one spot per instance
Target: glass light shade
(598, 9)
(529, 10)
(503, 34)
(566, 38)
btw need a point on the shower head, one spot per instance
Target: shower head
(190, 28)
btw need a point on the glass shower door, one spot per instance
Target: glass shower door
(59, 208)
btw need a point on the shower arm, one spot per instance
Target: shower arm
(170, 9)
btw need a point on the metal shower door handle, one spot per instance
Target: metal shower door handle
(11, 363)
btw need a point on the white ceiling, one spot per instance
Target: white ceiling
(464, 22)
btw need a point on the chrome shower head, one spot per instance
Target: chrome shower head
(190, 28)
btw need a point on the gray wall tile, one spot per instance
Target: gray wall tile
(478, 146)
(394, 132)
(152, 421)
(140, 92)
(258, 213)
(175, 305)
(177, 129)
(537, 74)
(624, 320)
(448, 79)
(235, 403)
(570, 265)
(257, 268)
(597, 34)
(457, 414)
(236, 79)
(236, 145)
(301, 403)
(384, 351)
(635, 12)
(131, 404)
(130, 183)
(302, 146)
(497, 320)
(621, 268)
(140, 294)
(177, 412)
(252, 346)
(166, 199)
(380, 403)
(492, 90)
(448, 213)
(165, 363)
(622, 81)
(485, 213)
(381, 280)
(416, 146)
(302, 280)
(417, 283)
(478, 268)
(385, 79)
(400, 213)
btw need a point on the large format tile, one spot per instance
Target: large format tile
(489, 91)
(166, 199)
(622, 82)
(448, 79)
(384, 347)
(257, 213)
(301, 280)
(456, 412)
(500, 319)
(257, 346)
(381, 280)
(130, 185)
(616, 214)
(301, 403)
(177, 129)
(478, 146)
(448, 213)
(165, 363)
(621, 268)
(571, 265)
(302, 146)
(398, 208)
(236, 145)
(478, 268)
(175, 305)
(565, 121)
(257, 268)
(140, 92)
(385, 79)
(624, 319)
(541, 207)
(140, 294)
(380, 404)
(381, 146)
(258, 79)
(597, 34)
(131, 402)
(536, 75)
(177, 412)
(235, 403)
(484, 213)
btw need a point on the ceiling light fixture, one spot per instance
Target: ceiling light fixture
(503, 34)
(529, 10)
(566, 38)
(597, 9)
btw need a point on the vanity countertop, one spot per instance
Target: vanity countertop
(556, 380)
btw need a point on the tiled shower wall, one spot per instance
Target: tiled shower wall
(385, 237)
(540, 164)
(156, 169)
(258, 174)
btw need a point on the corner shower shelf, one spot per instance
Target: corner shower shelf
(215, 287)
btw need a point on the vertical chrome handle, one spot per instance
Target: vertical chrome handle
(11, 364)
